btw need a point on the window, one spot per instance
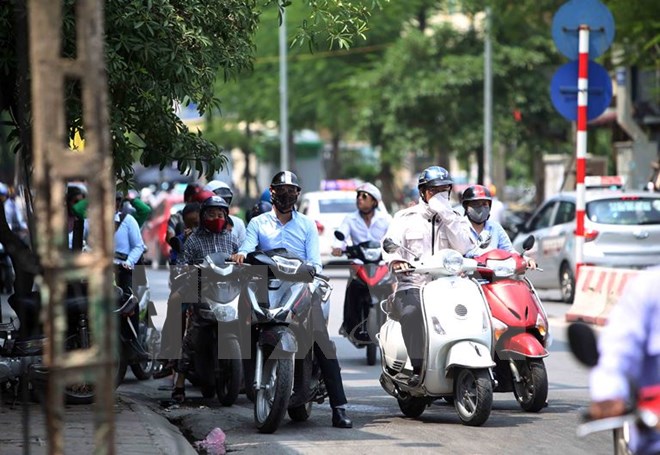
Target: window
(565, 213)
(336, 205)
(543, 218)
(625, 210)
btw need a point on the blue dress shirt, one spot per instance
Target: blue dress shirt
(499, 239)
(299, 235)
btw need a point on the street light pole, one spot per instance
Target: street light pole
(284, 107)
(488, 101)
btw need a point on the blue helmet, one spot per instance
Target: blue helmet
(434, 176)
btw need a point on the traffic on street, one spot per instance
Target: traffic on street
(379, 425)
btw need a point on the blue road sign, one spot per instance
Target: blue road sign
(563, 90)
(574, 13)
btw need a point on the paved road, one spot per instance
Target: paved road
(379, 424)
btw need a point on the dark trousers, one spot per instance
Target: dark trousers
(326, 353)
(412, 325)
(124, 279)
(355, 307)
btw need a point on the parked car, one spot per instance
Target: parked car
(154, 230)
(327, 209)
(622, 229)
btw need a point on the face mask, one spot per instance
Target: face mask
(478, 214)
(215, 225)
(444, 195)
(284, 200)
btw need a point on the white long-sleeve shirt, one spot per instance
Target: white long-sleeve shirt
(355, 228)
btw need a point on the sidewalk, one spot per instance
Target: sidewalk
(138, 430)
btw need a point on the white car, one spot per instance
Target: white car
(328, 209)
(622, 229)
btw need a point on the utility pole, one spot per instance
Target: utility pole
(284, 96)
(488, 101)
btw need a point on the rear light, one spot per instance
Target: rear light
(589, 234)
(629, 198)
(320, 227)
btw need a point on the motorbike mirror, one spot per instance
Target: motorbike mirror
(484, 239)
(339, 235)
(389, 245)
(528, 243)
(582, 341)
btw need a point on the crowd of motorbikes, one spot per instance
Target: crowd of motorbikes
(486, 331)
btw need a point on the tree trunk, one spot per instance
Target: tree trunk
(388, 190)
(334, 172)
(247, 152)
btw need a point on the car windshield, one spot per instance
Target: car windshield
(336, 205)
(625, 210)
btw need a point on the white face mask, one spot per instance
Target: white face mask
(444, 195)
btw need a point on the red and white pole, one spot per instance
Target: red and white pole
(581, 152)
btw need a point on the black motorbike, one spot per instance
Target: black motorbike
(22, 347)
(215, 362)
(279, 290)
(369, 284)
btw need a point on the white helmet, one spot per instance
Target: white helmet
(371, 190)
(221, 189)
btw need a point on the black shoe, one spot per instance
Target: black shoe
(414, 380)
(340, 419)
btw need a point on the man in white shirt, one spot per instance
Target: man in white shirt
(366, 223)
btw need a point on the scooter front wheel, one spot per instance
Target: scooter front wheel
(228, 382)
(473, 393)
(272, 398)
(532, 390)
(412, 406)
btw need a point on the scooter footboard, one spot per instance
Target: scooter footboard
(469, 354)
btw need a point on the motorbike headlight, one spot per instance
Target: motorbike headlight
(541, 325)
(501, 268)
(286, 265)
(452, 261)
(499, 328)
(371, 254)
(223, 313)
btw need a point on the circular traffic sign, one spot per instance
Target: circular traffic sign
(563, 90)
(573, 14)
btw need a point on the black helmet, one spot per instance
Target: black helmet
(259, 208)
(476, 193)
(285, 178)
(434, 176)
(213, 201)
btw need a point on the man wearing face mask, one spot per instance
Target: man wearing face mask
(477, 202)
(210, 237)
(423, 230)
(284, 227)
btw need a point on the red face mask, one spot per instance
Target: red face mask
(215, 225)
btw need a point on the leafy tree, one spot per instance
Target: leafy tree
(158, 52)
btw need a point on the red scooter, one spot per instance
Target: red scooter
(520, 327)
(370, 283)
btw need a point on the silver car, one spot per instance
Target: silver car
(622, 229)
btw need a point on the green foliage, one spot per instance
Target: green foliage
(159, 52)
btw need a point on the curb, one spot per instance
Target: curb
(167, 438)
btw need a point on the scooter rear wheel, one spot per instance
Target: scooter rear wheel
(371, 353)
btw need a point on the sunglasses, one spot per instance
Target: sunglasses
(362, 195)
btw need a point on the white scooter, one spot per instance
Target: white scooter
(458, 338)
